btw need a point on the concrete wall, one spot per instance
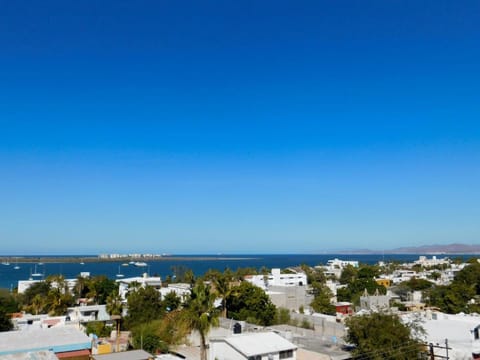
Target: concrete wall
(323, 326)
(289, 297)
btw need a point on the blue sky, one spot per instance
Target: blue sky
(238, 127)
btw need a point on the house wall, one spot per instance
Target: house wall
(289, 297)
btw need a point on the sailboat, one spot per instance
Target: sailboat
(119, 273)
(35, 273)
(16, 267)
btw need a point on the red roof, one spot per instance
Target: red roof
(69, 354)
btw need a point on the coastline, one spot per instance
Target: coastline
(96, 259)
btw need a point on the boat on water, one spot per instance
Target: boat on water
(119, 274)
(6, 263)
(36, 273)
(140, 264)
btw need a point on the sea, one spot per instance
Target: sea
(199, 264)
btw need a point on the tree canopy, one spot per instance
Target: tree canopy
(357, 281)
(250, 303)
(144, 305)
(457, 296)
(380, 336)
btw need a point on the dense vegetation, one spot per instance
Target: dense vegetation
(379, 336)
(357, 280)
(459, 296)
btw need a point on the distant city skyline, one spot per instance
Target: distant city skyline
(238, 128)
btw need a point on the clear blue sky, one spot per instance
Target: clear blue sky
(238, 126)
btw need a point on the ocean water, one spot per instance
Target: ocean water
(9, 276)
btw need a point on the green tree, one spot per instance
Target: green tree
(5, 321)
(357, 281)
(414, 284)
(223, 288)
(59, 297)
(457, 296)
(8, 305)
(282, 316)
(470, 276)
(201, 314)
(172, 328)
(146, 337)
(114, 303)
(41, 289)
(144, 305)
(81, 288)
(249, 302)
(380, 336)
(38, 304)
(452, 298)
(321, 302)
(101, 287)
(171, 302)
(98, 328)
(182, 274)
(240, 273)
(8, 302)
(349, 275)
(314, 275)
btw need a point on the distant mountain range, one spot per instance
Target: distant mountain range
(424, 249)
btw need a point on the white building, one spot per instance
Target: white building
(23, 285)
(27, 322)
(276, 278)
(124, 284)
(334, 267)
(434, 261)
(252, 346)
(341, 263)
(402, 275)
(179, 289)
(88, 313)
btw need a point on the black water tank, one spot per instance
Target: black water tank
(237, 328)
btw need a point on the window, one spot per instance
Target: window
(255, 357)
(286, 354)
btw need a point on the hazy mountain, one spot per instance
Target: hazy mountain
(424, 249)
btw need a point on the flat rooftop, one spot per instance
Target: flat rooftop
(57, 339)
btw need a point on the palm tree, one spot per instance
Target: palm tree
(81, 285)
(223, 288)
(115, 309)
(200, 313)
(59, 297)
(92, 293)
(114, 303)
(38, 302)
